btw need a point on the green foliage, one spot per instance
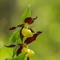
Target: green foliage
(8, 59)
(48, 43)
(26, 14)
(19, 57)
(15, 50)
(15, 38)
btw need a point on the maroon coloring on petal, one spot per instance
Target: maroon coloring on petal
(21, 36)
(29, 20)
(11, 46)
(19, 50)
(35, 18)
(12, 28)
(33, 38)
(31, 30)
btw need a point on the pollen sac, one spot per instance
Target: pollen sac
(29, 20)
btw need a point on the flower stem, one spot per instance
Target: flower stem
(27, 58)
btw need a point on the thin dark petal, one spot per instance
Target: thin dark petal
(31, 30)
(19, 44)
(19, 50)
(21, 36)
(10, 46)
(35, 18)
(29, 20)
(21, 25)
(31, 39)
(36, 34)
(12, 28)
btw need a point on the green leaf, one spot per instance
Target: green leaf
(26, 14)
(15, 37)
(21, 56)
(19, 41)
(8, 59)
(15, 50)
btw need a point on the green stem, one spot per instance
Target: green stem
(27, 58)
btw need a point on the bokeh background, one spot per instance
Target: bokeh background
(47, 45)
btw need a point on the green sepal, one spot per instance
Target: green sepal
(15, 38)
(21, 56)
(14, 51)
(26, 14)
(8, 59)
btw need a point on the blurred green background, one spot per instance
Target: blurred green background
(47, 45)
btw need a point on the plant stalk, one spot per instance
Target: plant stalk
(27, 58)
